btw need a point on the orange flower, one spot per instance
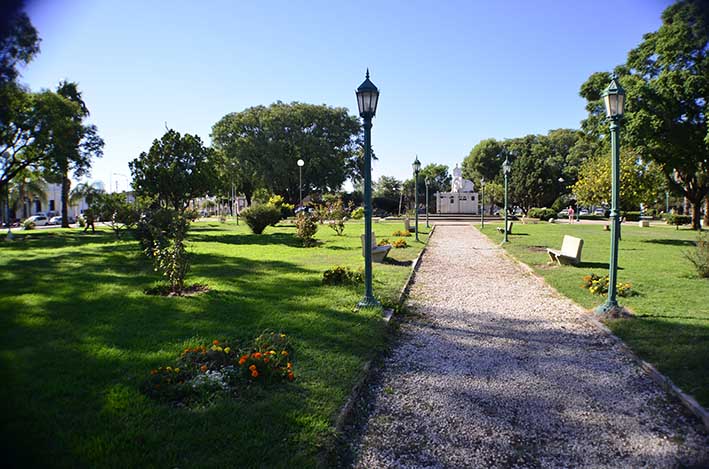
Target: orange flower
(256, 355)
(215, 342)
(252, 368)
(265, 360)
(284, 353)
(242, 360)
(254, 373)
(153, 371)
(290, 365)
(291, 377)
(203, 368)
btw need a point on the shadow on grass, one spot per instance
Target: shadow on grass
(396, 262)
(671, 242)
(249, 239)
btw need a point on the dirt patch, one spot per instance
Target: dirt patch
(190, 290)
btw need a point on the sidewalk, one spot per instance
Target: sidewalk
(495, 370)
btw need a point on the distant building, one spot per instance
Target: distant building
(461, 199)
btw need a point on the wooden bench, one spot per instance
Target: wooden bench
(509, 228)
(379, 253)
(570, 251)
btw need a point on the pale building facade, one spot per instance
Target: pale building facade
(461, 199)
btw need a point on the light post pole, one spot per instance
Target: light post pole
(482, 200)
(300, 180)
(506, 171)
(367, 100)
(614, 99)
(427, 181)
(667, 201)
(416, 165)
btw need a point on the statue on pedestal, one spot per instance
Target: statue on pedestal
(460, 184)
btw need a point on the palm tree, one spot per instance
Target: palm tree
(86, 191)
(27, 185)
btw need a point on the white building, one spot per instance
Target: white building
(461, 199)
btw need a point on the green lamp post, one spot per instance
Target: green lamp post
(506, 171)
(300, 180)
(367, 100)
(482, 202)
(427, 181)
(614, 99)
(416, 165)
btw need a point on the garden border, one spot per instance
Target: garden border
(346, 411)
(663, 381)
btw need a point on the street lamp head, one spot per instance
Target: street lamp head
(416, 165)
(561, 179)
(506, 166)
(301, 163)
(367, 98)
(614, 98)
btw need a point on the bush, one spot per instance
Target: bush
(400, 243)
(358, 213)
(336, 214)
(676, 219)
(385, 204)
(162, 233)
(699, 256)
(116, 211)
(542, 213)
(286, 209)
(258, 217)
(383, 242)
(306, 227)
(631, 216)
(340, 275)
(29, 225)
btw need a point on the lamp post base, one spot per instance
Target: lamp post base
(610, 310)
(368, 302)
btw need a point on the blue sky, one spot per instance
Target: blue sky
(451, 73)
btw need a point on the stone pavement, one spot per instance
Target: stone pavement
(493, 369)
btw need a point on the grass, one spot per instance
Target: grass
(671, 324)
(78, 336)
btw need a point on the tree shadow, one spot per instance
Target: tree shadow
(671, 242)
(392, 261)
(249, 239)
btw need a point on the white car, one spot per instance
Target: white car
(58, 220)
(38, 220)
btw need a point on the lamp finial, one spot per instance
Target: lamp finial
(367, 77)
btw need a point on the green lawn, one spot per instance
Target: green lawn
(671, 324)
(78, 336)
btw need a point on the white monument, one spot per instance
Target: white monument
(461, 199)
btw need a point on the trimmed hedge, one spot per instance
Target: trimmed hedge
(541, 213)
(258, 217)
(676, 219)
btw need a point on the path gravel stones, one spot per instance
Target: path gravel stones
(494, 369)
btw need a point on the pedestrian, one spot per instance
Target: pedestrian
(571, 214)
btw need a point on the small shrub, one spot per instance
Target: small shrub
(306, 227)
(286, 209)
(676, 219)
(383, 242)
(400, 243)
(401, 233)
(542, 213)
(29, 225)
(336, 214)
(258, 217)
(599, 286)
(699, 256)
(358, 213)
(340, 275)
(631, 216)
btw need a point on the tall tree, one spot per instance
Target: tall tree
(387, 186)
(19, 41)
(74, 144)
(270, 140)
(484, 160)
(174, 171)
(667, 87)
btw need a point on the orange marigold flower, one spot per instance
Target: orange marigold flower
(242, 360)
(254, 373)
(290, 365)
(203, 368)
(257, 355)
(265, 360)
(252, 368)
(215, 342)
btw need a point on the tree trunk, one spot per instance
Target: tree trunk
(65, 200)
(706, 212)
(696, 215)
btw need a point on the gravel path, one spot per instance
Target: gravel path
(496, 370)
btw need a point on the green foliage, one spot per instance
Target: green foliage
(677, 219)
(115, 210)
(358, 213)
(383, 242)
(174, 171)
(699, 256)
(387, 187)
(484, 160)
(258, 217)
(265, 140)
(336, 214)
(542, 213)
(401, 233)
(162, 233)
(285, 208)
(306, 227)
(342, 275)
(28, 225)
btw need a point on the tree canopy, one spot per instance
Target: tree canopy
(174, 171)
(266, 142)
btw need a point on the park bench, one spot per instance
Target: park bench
(570, 251)
(379, 253)
(509, 228)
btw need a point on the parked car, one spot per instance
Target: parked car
(563, 214)
(57, 220)
(583, 212)
(600, 212)
(38, 220)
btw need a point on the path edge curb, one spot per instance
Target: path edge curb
(366, 373)
(663, 381)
